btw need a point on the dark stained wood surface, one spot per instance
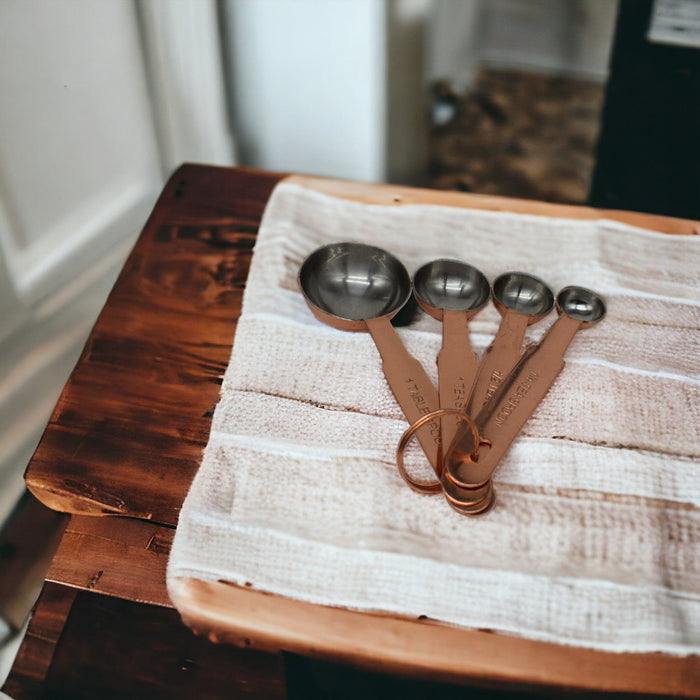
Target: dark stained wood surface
(115, 649)
(26, 679)
(81, 645)
(127, 434)
(118, 557)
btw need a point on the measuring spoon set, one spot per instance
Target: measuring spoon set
(466, 426)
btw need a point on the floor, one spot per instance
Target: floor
(7, 655)
(516, 134)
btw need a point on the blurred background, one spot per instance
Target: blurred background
(101, 101)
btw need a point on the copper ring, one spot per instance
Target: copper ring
(471, 511)
(471, 504)
(430, 487)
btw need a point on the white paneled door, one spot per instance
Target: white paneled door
(84, 149)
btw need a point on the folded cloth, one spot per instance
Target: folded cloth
(595, 536)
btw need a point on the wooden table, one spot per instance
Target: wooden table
(127, 434)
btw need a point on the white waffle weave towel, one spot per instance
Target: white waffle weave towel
(595, 537)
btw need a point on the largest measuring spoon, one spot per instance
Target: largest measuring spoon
(357, 287)
(452, 292)
(519, 395)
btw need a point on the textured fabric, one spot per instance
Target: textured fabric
(595, 536)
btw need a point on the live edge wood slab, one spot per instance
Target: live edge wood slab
(127, 435)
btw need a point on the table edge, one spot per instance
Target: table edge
(403, 195)
(422, 648)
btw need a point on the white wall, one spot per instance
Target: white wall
(571, 37)
(98, 102)
(307, 79)
(79, 172)
(76, 137)
(566, 37)
(328, 88)
(185, 64)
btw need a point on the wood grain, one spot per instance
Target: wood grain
(114, 649)
(26, 679)
(117, 557)
(128, 431)
(86, 646)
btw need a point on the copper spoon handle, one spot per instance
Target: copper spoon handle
(515, 401)
(411, 386)
(498, 359)
(457, 365)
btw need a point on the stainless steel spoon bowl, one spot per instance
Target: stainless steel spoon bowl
(349, 283)
(523, 293)
(452, 285)
(581, 304)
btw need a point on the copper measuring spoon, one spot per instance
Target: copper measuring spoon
(526, 385)
(452, 292)
(358, 287)
(521, 299)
